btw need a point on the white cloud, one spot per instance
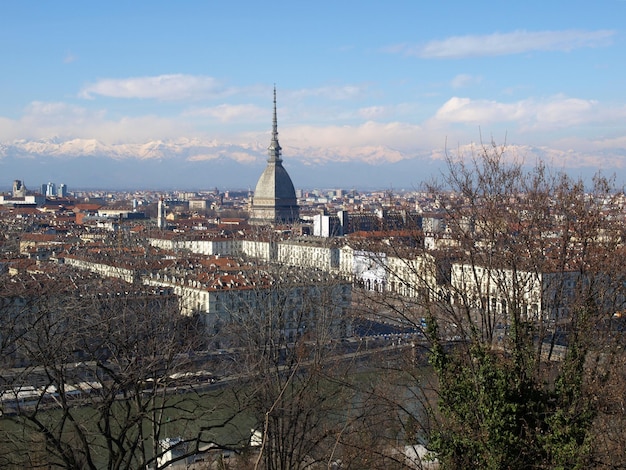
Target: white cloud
(61, 129)
(230, 113)
(380, 112)
(464, 110)
(43, 120)
(54, 111)
(161, 87)
(9, 130)
(515, 42)
(139, 129)
(46, 119)
(557, 112)
(343, 92)
(372, 112)
(463, 80)
(371, 134)
(565, 112)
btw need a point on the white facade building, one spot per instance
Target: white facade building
(308, 253)
(413, 277)
(29, 200)
(301, 306)
(538, 295)
(107, 270)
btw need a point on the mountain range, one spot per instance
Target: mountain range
(192, 164)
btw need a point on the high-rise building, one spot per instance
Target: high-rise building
(62, 191)
(274, 201)
(49, 189)
(161, 214)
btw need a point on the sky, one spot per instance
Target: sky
(161, 94)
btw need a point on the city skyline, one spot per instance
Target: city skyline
(157, 95)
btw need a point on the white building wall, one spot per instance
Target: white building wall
(308, 255)
(321, 225)
(538, 295)
(370, 270)
(260, 250)
(413, 277)
(162, 243)
(235, 303)
(193, 297)
(106, 270)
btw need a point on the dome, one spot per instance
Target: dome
(275, 184)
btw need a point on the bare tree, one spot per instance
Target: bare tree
(514, 299)
(100, 380)
(286, 337)
(528, 289)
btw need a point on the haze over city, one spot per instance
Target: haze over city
(179, 95)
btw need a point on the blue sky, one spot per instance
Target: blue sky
(369, 93)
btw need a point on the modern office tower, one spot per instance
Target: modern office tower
(274, 201)
(62, 191)
(50, 189)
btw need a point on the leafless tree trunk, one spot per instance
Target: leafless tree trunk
(288, 337)
(99, 383)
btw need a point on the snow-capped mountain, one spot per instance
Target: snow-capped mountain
(194, 163)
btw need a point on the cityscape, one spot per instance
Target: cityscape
(235, 324)
(306, 236)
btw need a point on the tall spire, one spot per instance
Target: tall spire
(274, 200)
(275, 121)
(274, 148)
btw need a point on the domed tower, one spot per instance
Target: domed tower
(274, 201)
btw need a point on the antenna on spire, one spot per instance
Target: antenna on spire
(275, 121)
(274, 148)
